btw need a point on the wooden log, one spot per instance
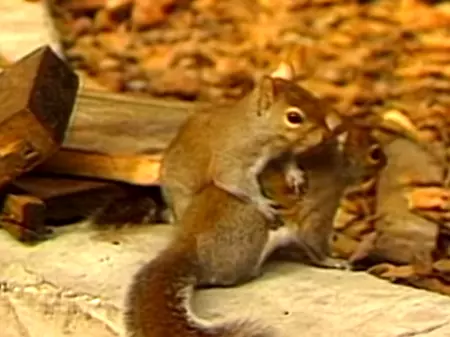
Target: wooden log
(123, 123)
(23, 217)
(37, 95)
(118, 137)
(139, 169)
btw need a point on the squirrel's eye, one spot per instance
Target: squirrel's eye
(294, 117)
(376, 155)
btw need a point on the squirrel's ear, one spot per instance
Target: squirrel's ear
(284, 71)
(264, 95)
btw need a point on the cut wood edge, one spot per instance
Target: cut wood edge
(138, 169)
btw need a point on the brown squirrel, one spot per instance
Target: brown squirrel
(230, 145)
(222, 239)
(309, 217)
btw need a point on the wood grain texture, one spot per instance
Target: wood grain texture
(137, 169)
(123, 124)
(118, 137)
(37, 95)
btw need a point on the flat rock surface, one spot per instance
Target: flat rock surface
(74, 285)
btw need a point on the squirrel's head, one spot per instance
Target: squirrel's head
(298, 119)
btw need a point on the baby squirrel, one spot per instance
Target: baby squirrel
(309, 218)
(330, 169)
(230, 145)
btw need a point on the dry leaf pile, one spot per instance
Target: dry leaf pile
(358, 55)
(370, 53)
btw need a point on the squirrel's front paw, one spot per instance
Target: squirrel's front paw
(295, 179)
(268, 207)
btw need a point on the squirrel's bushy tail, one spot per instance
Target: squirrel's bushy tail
(157, 303)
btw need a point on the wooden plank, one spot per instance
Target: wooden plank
(23, 217)
(137, 169)
(124, 124)
(118, 137)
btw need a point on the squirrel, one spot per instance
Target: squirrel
(331, 169)
(222, 239)
(309, 218)
(230, 145)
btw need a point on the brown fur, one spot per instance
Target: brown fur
(225, 145)
(213, 246)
